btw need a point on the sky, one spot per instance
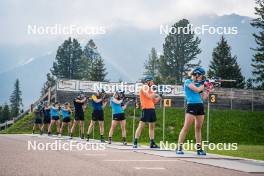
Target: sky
(16, 15)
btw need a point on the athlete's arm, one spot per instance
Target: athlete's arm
(117, 101)
(80, 101)
(150, 96)
(196, 89)
(204, 95)
(104, 104)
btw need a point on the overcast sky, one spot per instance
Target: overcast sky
(16, 15)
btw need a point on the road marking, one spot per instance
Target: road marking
(149, 168)
(89, 154)
(140, 160)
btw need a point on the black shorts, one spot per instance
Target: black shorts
(46, 120)
(66, 119)
(195, 109)
(38, 121)
(55, 118)
(98, 115)
(79, 115)
(119, 117)
(148, 115)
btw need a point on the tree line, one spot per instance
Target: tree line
(180, 52)
(8, 111)
(73, 62)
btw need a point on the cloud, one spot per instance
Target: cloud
(16, 15)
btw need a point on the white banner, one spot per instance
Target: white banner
(111, 87)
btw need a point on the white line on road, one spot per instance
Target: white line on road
(149, 168)
(140, 160)
(89, 154)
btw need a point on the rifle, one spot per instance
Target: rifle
(217, 81)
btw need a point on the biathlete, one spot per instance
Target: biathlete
(38, 118)
(98, 105)
(55, 117)
(148, 98)
(194, 92)
(79, 114)
(118, 116)
(46, 114)
(66, 117)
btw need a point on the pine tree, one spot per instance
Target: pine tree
(98, 71)
(1, 114)
(68, 62)
(16, 99)
(5, 114)
(94, 68)
(258, 57)
(51, 81)
(179, 52)
(249, 83)
(151, 65)
(225, 66)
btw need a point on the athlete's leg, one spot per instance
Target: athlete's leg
(58, 126)
(62, 126)
(50, 125)
(90, 128)
(113, 126)
(198, 128)
(139, 129)
(39, 125)
(81, 127)
(101, 125)
(73, 126)
(152, 130)
(69, 127)
(187, 124)
(34, 126)
(123, 128)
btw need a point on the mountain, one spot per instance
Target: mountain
(124, 48)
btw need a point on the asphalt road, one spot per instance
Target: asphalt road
(16, 159)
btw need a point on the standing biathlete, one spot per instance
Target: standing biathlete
(194, 92)
(55, 117)
(46, 114)
(97, 115)
(79, 114)
(148, 98)
(38, 118)
(118, 116)
(66, 117)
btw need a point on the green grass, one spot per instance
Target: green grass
(226, 126)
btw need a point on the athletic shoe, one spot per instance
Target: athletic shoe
(179, 152)
(153, 145)
(135, 146)
(201, 152)
(109, 141)
(102, 140)
(82, 136)
(87, 139)
(49, 134)
(70, 136)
